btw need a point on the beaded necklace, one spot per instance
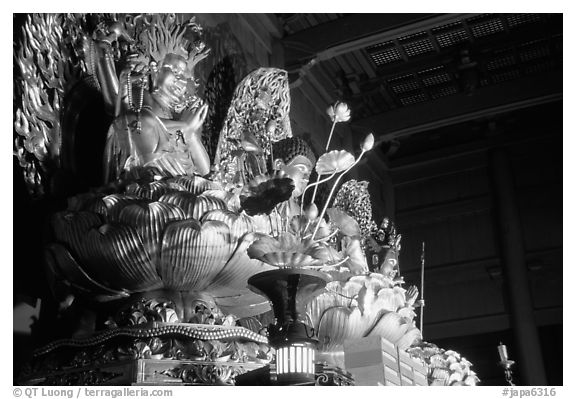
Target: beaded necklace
(137, 109)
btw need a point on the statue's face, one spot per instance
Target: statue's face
(383, 260)
(389, 267)
(298, 170)
(173, 80)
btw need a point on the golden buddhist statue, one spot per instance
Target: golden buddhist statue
(159, 118)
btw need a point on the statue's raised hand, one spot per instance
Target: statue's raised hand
(133, 66)
(110, 32)
(194, 119)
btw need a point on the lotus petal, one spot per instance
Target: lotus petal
(339, 112)
(356, 259)
(62, 265)
(149, 221)
(407, 312)
(376, 280)
(289, 259)
(113, 255)
(470, 380)
(233, 278)
(288, 251)
(243, 305)
(239, 224)
(440, 375)
(81, 201)
(267, 224)
(328, 299)
(194, 184)
(182, 199)
(347, 225)
(334, 162)
(412, 336)
(390, 299)
(193, 254)
(151, 191)
(339, 324)
(71, 227)
(232, 200)
(390, 326)
(114, 204)
(205, 204)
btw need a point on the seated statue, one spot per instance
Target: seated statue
(295, 158)
(159, 118)
(383, 250)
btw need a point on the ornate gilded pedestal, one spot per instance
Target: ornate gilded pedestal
(158, 354)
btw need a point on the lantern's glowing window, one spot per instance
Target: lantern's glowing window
(297, 358)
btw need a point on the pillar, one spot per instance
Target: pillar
(529, 362)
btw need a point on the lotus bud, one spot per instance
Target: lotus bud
(271, 126)
(339, 112)
(368, 143)
(311, 211)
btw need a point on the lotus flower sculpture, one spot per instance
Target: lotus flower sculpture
(264, 192)
(177, 234)
(287, 251)
(361, 306)
(445, 367)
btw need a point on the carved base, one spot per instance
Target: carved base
(147, 372)
(160, 353)
(325, 375)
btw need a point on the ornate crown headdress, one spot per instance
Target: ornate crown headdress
(386, 236)
(353, 198)
(169, 34)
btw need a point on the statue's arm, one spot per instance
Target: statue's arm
(193, 135)
(106, 75)
(191, 128)
(112, 84)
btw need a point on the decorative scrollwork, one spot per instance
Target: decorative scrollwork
(145, 311)
(206, 374)
(85, 377)
(322, 379)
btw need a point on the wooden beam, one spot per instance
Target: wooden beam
(357, 31)
(443, 210)
(456, 158)
(485, 102)
(253, 23)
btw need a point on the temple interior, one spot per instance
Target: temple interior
(466, 113)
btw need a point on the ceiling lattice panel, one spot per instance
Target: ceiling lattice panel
(429, 63)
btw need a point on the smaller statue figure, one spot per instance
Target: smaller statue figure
(383, 249)
(294, 157)
(159, 118)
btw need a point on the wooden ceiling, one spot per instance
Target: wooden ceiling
(407, 73)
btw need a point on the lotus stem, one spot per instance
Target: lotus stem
(329, 236)
(316, 184)
(340, 262)
(351, 298)
(332, 193)
(326, 150)
(330, 135)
